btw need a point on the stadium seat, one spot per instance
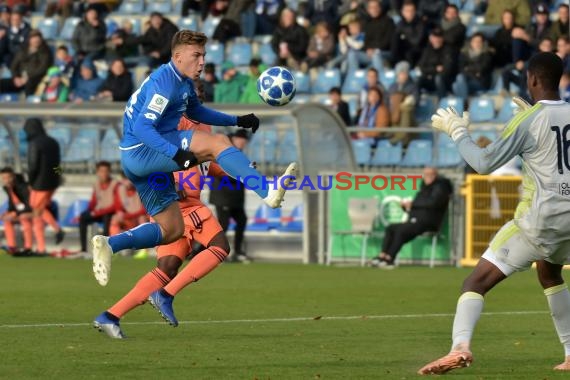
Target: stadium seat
(190, 22)
(81, 149)
(263, 147)
(5, 73)
(210, 25)
(112, 26)
(215, 53)
(239, 53)
(387, 154)
(89, 131)
(49, 27)
(425, 109)
(447, 153)
(110, 146)
(293, 223)
(74, 212)
(354, 82)
(287, 148)
(362, 150)
(418, 154)
(487, 30)
(326, 79)
(303, 82)
(68, 28)
(481, 109)
(507, 111)
(163, 7)
(265, 218)
(4, 98)
(132, 7)
(301, 99)
(352, 105)
(23, 142)
(387, 78)
(62, 135)
(266, 53)
(323, 99)
(452, 101)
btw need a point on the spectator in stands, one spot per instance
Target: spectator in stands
(437, 65)
(350, 41)
(431, 11)
(375, 114)
(453, 29)
(157, 39)
(250, 94)
(29, 66)
(55, 87)
(19, 210)
(62, 8)
(526, 41)
(18, 34)
(230, 201)
(124, 44)
(44, 175)
(290, 40)
(129, 211)
(63, 60)
(426, 213)
(476, 62)
(102, 204)
(317, 11)
(210, 81)
(372, 80)
(339, 105)
(502, 41)
(565, 86)
(520, 8)
(321, 47)
(5, 15)
(89, 36)
(118, 86)
(88, 84)
(378, 34)
(563, 50)
(409, 37)
(227, 28)
(230, 89)
(242, 13)
(267, 15)
(4, 25)
(404, 95)
(560, 27)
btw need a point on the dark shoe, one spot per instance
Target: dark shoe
(59, 236)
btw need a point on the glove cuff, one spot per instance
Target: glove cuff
(458, 133)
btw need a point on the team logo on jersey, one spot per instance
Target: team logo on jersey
(184, 143)
(158, 103)
(150, 116)
(184, 96)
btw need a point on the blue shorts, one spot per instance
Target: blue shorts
(150, 171)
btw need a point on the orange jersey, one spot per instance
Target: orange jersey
(192, 179)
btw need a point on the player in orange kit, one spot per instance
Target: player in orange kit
(200, 225)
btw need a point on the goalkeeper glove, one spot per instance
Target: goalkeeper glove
(249, 121)
(449, 121)
(522, 105)
(185, 159)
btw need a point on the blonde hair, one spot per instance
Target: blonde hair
(188, 37)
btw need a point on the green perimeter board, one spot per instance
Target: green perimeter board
(349, 246)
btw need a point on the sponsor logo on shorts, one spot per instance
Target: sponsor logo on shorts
(158, 103)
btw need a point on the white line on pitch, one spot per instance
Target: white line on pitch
(270, 320)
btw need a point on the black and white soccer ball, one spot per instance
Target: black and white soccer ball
(276, 86)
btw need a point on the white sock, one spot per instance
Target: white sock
(559, 301)
(469, 308)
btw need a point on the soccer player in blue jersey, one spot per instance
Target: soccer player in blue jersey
(152, 143)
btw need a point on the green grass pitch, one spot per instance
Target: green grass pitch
(240, 323)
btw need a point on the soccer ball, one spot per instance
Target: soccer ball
(276, 86)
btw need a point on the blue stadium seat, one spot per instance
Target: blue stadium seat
(163, 7)
(190, 22)
(74, 212)
(362, 150)
(132, 7)
(68, 28)
(507, 111)
(418, 154)
(354, 82)
(303, 82)
(240, 53)
(49, 27)
(81, 149)
(487, 30)
(210, 25)
(4, 98)
(326, 79)
(323, 99)
(263, 147)
(89, 131)
(23, 142)
(5, 73)
(387, 154)
(287, 148)
(481, 109)
(352, 106)
(110, 146)
(425, 109)
(452, 101)
(215, 53)
(112, 26)
(387, 78)
(265, 218)
(293, 223)
(447, 153)
(62, 135)
(266, 53)
(6, 149)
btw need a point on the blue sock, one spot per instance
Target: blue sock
(236, 164)
(146, 235)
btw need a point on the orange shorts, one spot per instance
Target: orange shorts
(40, 199)
(200, 225)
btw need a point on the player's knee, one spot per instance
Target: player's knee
(169, 265)
(221, 241)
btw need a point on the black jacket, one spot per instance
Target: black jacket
(22, 192)
(431, 58)
(159, 40)
(478, 67)
(43, 157)
(227, 196)
(296, 37)
(378, 33)
(344, 113)
(414, 33)
(120, 86)
(430, 204)
(502, 42)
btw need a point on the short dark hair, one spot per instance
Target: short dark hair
(409, 2)
(564, 6)
(106, 164)
(449, 5)
(335, 90)
(548, 68)
(241, 133)
(7, 169)
(63, 47)
(372, 69)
